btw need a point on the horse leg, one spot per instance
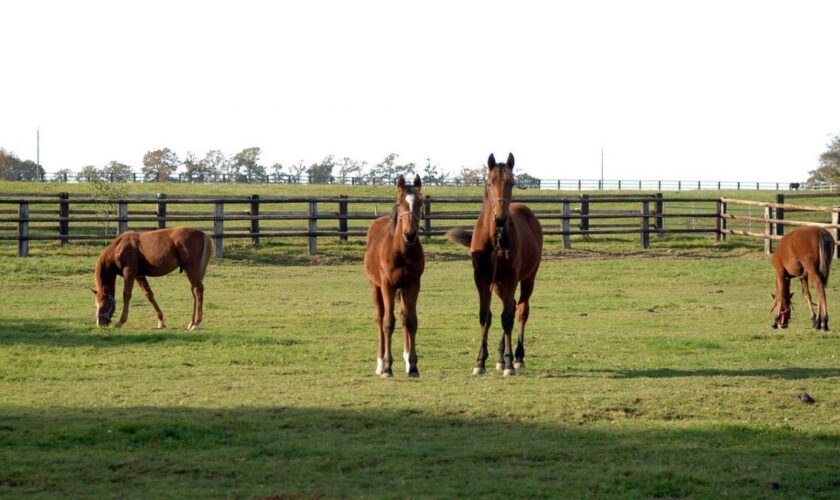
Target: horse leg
(198, 298)
(408, 318)
(508, 316)
(485, 319)
(379, 307)
(526, 288)
(806, 294)
(388, 322)
(780, 289)
(822, 305)
(150, 296)
(129, 278)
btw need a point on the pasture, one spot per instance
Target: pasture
(650, 374)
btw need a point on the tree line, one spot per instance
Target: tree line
(163, 165)
(829, 166)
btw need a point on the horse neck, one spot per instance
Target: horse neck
(106, 275)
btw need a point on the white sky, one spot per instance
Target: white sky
(706, 90)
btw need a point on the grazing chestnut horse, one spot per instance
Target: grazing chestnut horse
(394, 262)
(134, 256)
(805, 254)
(506, 248)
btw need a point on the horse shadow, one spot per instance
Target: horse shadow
(66, 332)
(791, 373)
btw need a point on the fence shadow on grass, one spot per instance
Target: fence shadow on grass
(67, 333)
(312, 452)
(792, 373)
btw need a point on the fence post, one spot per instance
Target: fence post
(122, 217)
(161, 210)
(219, 229)
(619, 184)
(698, 185)
(63, 216)
(23, 229)
(768, 230)
(645, 224)
(659, 210)
(780, 214)
(427, 219)
(313, 227)
(679, 185)
(342, 217)
(255, 221)
(739, 185)
(723, 221)
(584, 214)
(719, 220)
(835, 219)
(579, 185)
(567, 239)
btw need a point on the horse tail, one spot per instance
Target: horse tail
(459, 235)
(206, 254)
(826, 255)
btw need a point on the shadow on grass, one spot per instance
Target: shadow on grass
(307, 453)
(65, 333)
(793, 373)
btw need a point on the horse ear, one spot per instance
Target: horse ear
(401, 182)
(491, 162)
(417, 181)
(509, 162)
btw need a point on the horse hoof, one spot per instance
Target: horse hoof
(774, 326)
(499, 366)
(118, 325)
(387, 375)
(161, 326)
(413, 374)
(479, 370)
(509, 372)
(519, 365)
(193, 328)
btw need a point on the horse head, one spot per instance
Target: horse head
(783, 307)
(407, 211)
(106, 304)
(499, 188)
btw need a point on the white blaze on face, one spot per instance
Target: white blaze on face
(412, 201)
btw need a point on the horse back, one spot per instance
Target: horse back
(810, 246)
(162, 251)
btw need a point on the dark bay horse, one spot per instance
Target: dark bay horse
(135, 256)
(805, 254)
(506, 247)
(394, 262)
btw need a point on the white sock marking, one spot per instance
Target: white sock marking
(405, 357)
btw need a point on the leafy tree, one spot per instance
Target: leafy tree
(88, 173)
(246, 166)
(62, 175)
(12, 168)
(348, 168)
(115, 171)
(296, 171)
(388, 169)
(159, 165)
(829, 169)
(321, 173)
(431, 175)
(525, 181)
(276, 172)
(212, 165)
(471, 176)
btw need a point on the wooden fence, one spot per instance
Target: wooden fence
(31, 217)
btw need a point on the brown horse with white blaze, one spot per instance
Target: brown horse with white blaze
(394, 262)
(506, 247)
(136, 256)
(805, 254)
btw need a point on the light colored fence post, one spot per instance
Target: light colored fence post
(122, 217)
(567, 239)
(835, 219)
(645, 224)
(23, 229)
(219, 229)
(768, 230)
(313, 227)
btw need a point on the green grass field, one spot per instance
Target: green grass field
(650, 374)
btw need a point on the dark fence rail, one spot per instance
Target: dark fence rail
(523, 181)
(32, 217)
